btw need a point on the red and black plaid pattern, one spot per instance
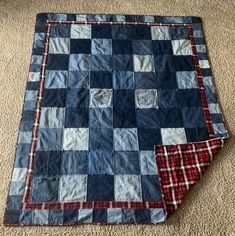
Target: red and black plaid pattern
(181, 166)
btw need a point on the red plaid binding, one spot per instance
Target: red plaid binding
(181, 166)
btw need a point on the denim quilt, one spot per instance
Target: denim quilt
(120, 120)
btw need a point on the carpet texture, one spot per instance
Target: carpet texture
(208, 209)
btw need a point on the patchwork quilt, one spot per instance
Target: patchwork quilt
(120, 120)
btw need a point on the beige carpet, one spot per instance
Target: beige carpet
(209, 208)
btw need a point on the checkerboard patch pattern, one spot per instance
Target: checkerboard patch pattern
(120, 119)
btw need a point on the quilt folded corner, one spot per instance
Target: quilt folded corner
(181, 166)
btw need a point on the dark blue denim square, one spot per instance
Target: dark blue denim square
(120, 46)
(45, 189)
(60, 31)
(76, 117)
(101, 139)
(150, 188)
(57, 62)
(142, 215)
(122, 32)
(147, 118)
(210, 94)
(203, 134)
(101, 31)
(50, 139)
(168, 98)
(13, 217)
(122, 62)
(100, 79)
(101, 162)
(184, 63)
(32, 85)
(100, 188)
(80, 46)
(206, 72)
(145, 80)
(100, 118)
(148, 138)
(142, 47)
(164, 63)
(123, 80)
(193, 117)
(190, 97)
(78, 79)
(55, 217)
(161, 47)
(100, 216)
(35, 68)
(124, 108)
(54, 162)
(14, 202)
(217, 118)
(191, 134)
(179, 32)
(70, 216)
(141, 32)
(74, 162)
(127, 163)
(37, 50)
(101, 62)
(22, 155)
(166, 80)
(77, 98)
(170, 118)
(27, 120)
(53, 97)
(128, 215)
(130, 18)
(47, 163)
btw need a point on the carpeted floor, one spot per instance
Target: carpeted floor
(209, 208)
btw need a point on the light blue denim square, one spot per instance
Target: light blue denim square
(85, 215)
(101, 46)
(79, 62)
(52, 117)
(157, 215)
(127, 188)
(29, 105)
(39, 40)
(148, 163)
(72, 188)
(36, 59)
(25, 137)
(119, 18)
(186, 79)
(40, 217)
(56, 79)
(34, 76)
(31, 95)
(126, 139)
(114, 215)
(17, 188)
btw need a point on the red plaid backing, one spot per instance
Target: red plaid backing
(181, 166)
